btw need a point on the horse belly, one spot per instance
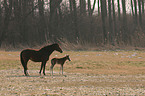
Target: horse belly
(59, 62)
(36, 58)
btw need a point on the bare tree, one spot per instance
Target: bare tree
(53, 19)
(118, 1)
(42, 24)
(104, 15)
(0, 14)
(114, 21)
(124, 10)
(75, 20)
(142, 6)
(82, 7)
(126, 38)
(135, 8)
(7, 15)
(91, 10)
(98, 7)
(110, 21)
(140, 16)
(132, 7)
(90, 13)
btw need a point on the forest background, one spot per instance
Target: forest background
(75, 24)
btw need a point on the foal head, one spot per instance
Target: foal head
(57, 48)
(67, 57)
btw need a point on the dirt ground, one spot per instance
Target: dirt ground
(14, 83)
(89, 73)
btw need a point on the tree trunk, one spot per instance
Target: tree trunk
(132, 7)
(92, 10)
(53, 19)
(7, 15)
(118, 9)
(75, 21)
(98, 7)
(135, 8)
(89, 7)
(114, 22)
(103, 15)
(110, 22)
(83, 7)
(126, 37)
(142, 6)
(0, 15)
(124, 10)
(70, 6)
(140, 16)
(42, 24)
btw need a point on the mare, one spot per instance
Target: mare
(60, 61)
(41, 55)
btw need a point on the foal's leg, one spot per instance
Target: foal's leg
(62, 69)
(53, 62)
(51, 69)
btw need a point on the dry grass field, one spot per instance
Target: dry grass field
(89, 73)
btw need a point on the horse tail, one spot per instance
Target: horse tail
(22, 61)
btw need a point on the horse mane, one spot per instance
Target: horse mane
(46, 47)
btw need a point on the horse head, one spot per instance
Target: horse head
(57, 48)
(67, 56)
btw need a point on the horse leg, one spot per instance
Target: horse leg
(52, 65)
(62, 69)
(41, 68)
(24, 64)
(51, 69)
(44, 68)
(26, 70)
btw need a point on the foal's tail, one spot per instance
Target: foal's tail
(22, 61)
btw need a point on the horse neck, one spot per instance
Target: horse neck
(48, 50)
(64, 58)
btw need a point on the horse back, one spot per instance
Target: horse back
(58, 60)
(34, 55)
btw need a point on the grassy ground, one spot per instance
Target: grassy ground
(88, 73)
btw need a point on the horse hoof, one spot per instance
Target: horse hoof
(27, 75)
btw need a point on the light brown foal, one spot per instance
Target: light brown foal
(60, 61)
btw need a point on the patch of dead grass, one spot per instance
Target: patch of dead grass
(88, 62)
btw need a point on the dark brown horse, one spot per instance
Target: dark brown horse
(41, 55)
(60, 61)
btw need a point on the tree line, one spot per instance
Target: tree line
(96, 22)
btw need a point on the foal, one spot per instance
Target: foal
(60, 61)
